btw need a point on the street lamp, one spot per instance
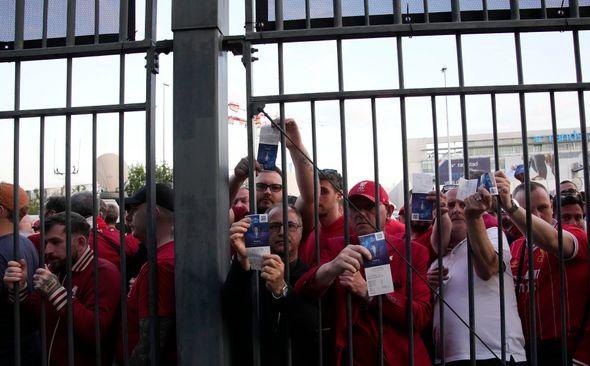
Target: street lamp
(164, 86)
(450, 180)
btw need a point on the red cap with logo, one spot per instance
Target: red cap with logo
(366, 188)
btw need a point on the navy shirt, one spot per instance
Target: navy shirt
(28, 328)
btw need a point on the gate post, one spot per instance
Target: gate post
(200, 178)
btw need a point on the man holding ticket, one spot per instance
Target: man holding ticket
(359, 270)
(462, 211)
(283, 313)
(546, 252)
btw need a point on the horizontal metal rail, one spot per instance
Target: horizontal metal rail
(420, 92)
(100, 109)
(103, 49)
(416, 29)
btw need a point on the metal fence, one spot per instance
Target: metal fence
(200, 99)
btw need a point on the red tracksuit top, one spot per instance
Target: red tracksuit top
(364, 316)
(109, 288)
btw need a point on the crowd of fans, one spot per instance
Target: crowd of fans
(441, 254)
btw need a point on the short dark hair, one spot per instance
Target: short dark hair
(82, 203)
(571, 199)
(56, 204)
(568, 181)
(534, 186)
(78, 223)
(332, 176)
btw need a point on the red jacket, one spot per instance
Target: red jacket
(109, 283)
(108, 245)
(364, 317)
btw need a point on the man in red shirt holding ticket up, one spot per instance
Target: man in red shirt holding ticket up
(341, 271)
(546, 270)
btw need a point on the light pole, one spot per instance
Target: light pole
(164, 85)
(444, 71)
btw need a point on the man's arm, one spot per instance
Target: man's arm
(303, 174)
(141, 353)
(485, 258)
(240, 175)
(544, 234)
(349, 259)
(445, 221)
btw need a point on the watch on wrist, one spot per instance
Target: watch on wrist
(512, 209)
(282, 293)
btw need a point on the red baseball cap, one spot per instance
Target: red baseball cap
(366, 188)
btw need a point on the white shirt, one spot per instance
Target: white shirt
(487, 309)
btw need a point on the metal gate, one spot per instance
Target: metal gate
(201, 142)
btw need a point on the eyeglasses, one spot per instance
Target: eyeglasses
(261, 187)
(277, 226)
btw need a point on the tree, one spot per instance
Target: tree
(136, 177)
(34, 204)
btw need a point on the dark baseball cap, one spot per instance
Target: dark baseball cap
(164, 197)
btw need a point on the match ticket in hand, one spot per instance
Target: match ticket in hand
(488, 181)
(268, 147)
(421, 207)
(377, 270)
(467, 187)
(257, 240)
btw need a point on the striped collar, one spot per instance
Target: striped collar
(84, 260)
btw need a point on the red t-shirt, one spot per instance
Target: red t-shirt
(394, 227)
(138, 301)
(547, 289)
(307, 250)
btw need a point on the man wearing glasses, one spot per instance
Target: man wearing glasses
(269, 183)
(283, 313)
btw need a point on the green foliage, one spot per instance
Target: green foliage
(34, 204)
(136, 178)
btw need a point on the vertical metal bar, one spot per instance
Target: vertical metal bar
(529, 232)
(366, 9)
(501, 268)
(470, 278)
(122, 244)
(514, 9)
(200, 103)
(249, 18)
(439, 247)
(71, 23)
(18, 43)
(70, 294)
(316, 223)
(42, 234)
(397, 11)
(456, 10)
(95, 242)
(426, 11)
(279, 15)
(44, 30)
(307, 14)
(150, 158)
(377, 221)
(544, 8)
(574, 9)
(97, 21)
(337, 13)
(255, 284)
(562, 303)
(123, 20)
(484, 5)
(583, 130)
(408, 236)
(342, 111)
(286, 258)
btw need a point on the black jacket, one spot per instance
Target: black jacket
(293, 315)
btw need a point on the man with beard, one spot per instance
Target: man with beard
(50, 282)
(283, 313)
(341, 271)
(269, 183)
